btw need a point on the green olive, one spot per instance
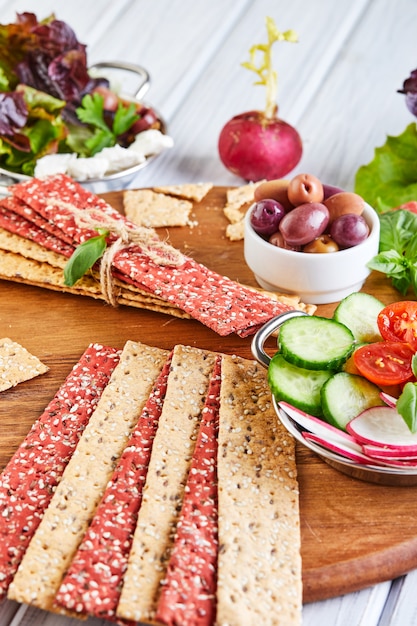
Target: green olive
(322, 244)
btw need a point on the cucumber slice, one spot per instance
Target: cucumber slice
(359, 312)
(346, 395)
(296, 385)
(315, 343)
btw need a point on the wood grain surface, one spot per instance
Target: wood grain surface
(354, 534)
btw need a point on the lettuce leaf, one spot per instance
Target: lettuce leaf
(390, 179)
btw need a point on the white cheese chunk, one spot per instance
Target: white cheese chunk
(151, 142)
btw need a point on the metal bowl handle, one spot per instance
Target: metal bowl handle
(266, 331)
(145, 80)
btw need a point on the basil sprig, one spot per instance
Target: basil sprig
(84, 257)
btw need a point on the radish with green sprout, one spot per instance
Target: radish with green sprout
(258, 145)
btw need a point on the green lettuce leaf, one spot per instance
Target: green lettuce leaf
(390, 179)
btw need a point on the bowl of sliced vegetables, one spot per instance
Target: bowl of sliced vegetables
(58, 115)
(326, 391)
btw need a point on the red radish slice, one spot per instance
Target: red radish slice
(382, 426)
(319, 427)
(389, 400)
(340, 448)
(401, 464)
(403, 453)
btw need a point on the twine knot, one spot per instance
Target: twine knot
(125, 234)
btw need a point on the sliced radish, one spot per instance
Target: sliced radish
(396, 463)
(318, 426)
(389, 400)
(340, 448)
(402, 453)
(382, 426)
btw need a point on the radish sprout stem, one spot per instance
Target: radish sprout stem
(265, 71)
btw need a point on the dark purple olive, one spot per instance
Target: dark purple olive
(349, 230)
(330, 190)
(266, 216)
(304, 223)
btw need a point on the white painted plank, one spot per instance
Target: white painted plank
(401, 609)
(226, 89)
(358, 101)
(362, 608)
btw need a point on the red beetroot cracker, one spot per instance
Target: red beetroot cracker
(188, 595)
(218, 302)
(93, 582)
(14, 205)
(19, 225)
(52, 198)
(28, 481)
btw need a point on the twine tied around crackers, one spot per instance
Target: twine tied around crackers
(160, 252)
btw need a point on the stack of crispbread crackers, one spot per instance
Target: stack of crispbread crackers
(169, 497)
(40, 229)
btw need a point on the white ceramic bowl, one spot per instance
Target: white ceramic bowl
(316, 278)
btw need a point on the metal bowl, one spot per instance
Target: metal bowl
(139, 83)
(379, 474)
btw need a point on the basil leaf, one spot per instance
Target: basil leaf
(84, 257)
(414, 364)
(407, 406)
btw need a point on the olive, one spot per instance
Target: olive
(278, 240)
(275, 189)
(349, 230)
(304, 223)
(342, 203)
(305, 188)
(322, 244)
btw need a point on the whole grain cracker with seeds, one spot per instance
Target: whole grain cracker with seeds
(17, 364)
(259, 563)
(172, 452)
(145, 207)
(86, 476)
(189, 191)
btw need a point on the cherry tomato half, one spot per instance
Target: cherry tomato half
(398, 322)
(385, 362)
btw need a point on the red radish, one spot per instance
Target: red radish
(388, 399)
(258, 145)
(340, 448)
(318, 426)
(408, 453)
(382, 426)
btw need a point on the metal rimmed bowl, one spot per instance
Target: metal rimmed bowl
(135, 83)
(379, 474)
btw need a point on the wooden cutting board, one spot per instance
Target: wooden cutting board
(354, 534)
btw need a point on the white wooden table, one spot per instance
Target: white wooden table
(338, 86)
